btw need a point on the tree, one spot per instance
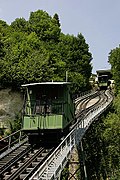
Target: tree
(36, 50)
(4, 29)
(20, 24)
(56, 17)
(75, 53)
(111, 138)
(44, 26)
(114, 60)
(101, 145)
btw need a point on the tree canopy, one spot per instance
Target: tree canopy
(36, 50)
(114, 60)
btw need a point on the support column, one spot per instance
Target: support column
(83, 157)
(74, 165)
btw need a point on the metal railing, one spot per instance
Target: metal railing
(52, 167)
(9, 141)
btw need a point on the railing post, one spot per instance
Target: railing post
(9, 142)
(70, 142)
(83, 123)
(74, 139)
(47, 171)
(20, 136)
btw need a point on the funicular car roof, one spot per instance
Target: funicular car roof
(46, 83)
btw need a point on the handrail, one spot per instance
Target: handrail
(11, 139)
(52, 167)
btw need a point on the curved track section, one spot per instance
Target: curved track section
(85, 105)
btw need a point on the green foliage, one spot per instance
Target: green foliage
(75, 53)
(114, 60)
(20, 24)
(36, 50)
(44, 25)
(111, 137)
(2, 112)
(56, 17)
(3, 34)
(101, 146)
(14, 124)
(65, 172)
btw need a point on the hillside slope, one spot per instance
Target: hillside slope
(11, 104)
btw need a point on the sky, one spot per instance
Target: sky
(97, 20)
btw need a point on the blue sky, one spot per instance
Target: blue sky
(97, 20)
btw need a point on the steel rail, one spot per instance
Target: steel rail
(18, 136)
(38, 165)
(83, 110)
(13, 148)
(22, 168)
(14, 160)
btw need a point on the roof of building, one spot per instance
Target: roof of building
(103, 70)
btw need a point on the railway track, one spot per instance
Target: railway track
(22, 162)
(87, 104)
(7, 161)
(82, 106)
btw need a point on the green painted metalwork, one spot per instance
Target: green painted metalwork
(41, 122)
(103, 84)
(48, 106)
